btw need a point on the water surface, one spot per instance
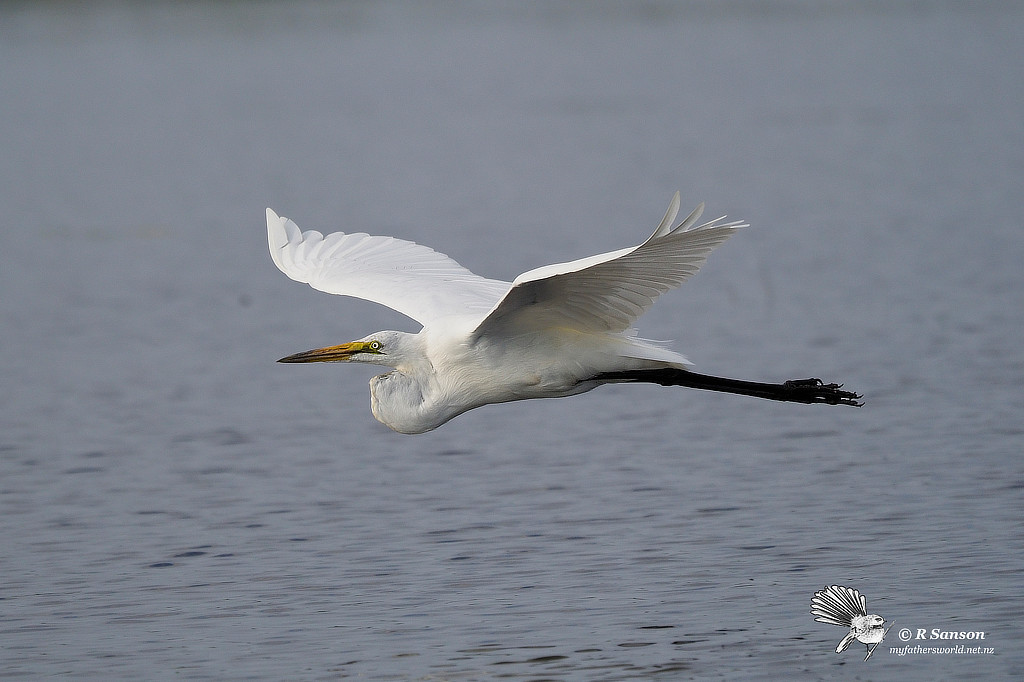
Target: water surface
(175, 504)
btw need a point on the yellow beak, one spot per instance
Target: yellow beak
(342, 353)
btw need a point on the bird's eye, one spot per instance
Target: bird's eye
(374, 345)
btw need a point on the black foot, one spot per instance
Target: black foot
(816, 391)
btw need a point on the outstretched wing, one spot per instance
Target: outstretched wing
(607, 292)
(412, 279)
(838, 605)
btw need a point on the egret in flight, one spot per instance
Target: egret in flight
(555, 331)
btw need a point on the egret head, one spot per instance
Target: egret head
(382, 348)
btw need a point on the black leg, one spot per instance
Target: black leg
(807, 391)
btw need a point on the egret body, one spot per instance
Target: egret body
(555, 331)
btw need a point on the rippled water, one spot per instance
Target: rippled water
(175, 504)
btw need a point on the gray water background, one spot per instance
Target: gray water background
(173, 504)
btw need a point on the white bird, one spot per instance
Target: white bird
(555, 331)
(847, 607)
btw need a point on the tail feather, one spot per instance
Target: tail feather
(838, 605)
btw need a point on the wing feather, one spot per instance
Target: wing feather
(412, 279)
(609, 291)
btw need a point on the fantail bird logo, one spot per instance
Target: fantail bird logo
(845, 606)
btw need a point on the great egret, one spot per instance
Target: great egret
(555, 331)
